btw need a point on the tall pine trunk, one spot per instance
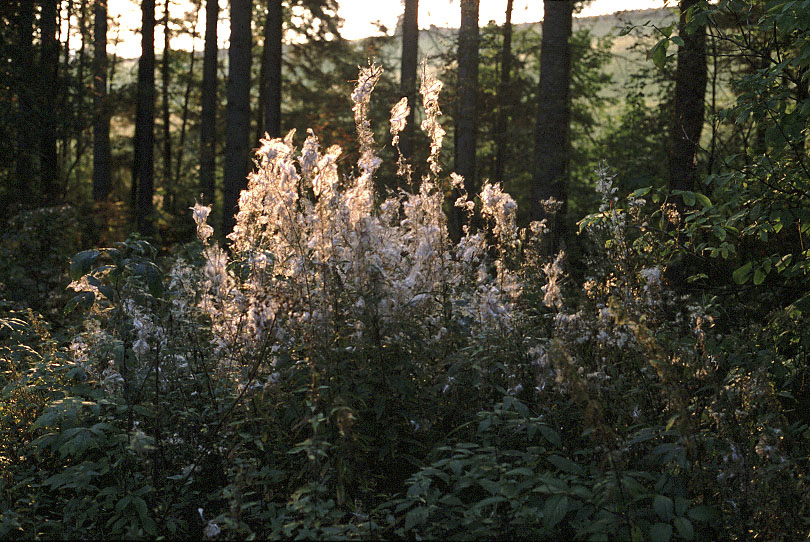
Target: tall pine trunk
(208, 115)
(466, 109)
(504, 94)
(48, 92)
(237, 129)
(181, 144)
(691, 76)
(145, 122)
(410, 54)
(101, 118)
(81, 118)
(552, 145)
(24, 186)
(271, 62)
(165, 80)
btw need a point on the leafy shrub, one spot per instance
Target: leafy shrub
(344, 370)
(33, 244)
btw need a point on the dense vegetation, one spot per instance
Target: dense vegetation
(343, 364)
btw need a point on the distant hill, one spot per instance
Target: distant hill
(436, 41)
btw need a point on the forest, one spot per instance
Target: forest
(542, 281)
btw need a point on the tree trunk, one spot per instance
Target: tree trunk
(101, 118)
(165, 80)
(271, 82)
(81, 118)
(552, 145)
(237, 129)
(208, 116)
(65, 100)
(49, 78)
(466, 110)
(410, 54)
(504, 94)
(145, 121)
(24, 186)
(181, 145)
(690, 92)
(68, 17)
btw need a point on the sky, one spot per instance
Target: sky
(360, 18)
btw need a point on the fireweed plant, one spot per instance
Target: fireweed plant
(345, 370)
(320, 263)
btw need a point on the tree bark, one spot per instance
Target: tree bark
(26, 114)
(467, 104)
(273, 34)
(690, 91)
(208, 117)
(165, 79)
(410, 61)
(504, 94)
(48, 92)
(145, 121)
(81, 109)
(181, 145)
(237, 115)
(101, 119)
(552, 145)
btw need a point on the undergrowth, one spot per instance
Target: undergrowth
(342, 369)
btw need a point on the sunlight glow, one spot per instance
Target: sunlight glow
(361, 18)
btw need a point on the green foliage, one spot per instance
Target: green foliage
(516, 478)
(658, 396)
(33, 244)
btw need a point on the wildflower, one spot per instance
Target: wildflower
(337, 254)
(552, 297)
(499, 206)
(83, 285)
(309, 153)
(200, 214)
(211, 529)
(366, 83)
(430, 99)
(514, 390)
(399, 118)
(140, 346)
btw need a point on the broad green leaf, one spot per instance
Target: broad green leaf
(664, 507)
(551, 435)
(702, 514)
(759, 277)
(742, 273)
(639, 193)
(121, 505)
(688, 197)
(685, 529)
(660, 532)
(151, 275)
(520, 471)
(415, 516)
(82, 263)
(703, 199)
(491, 487)
(83, 299)
(564, 464)
(554, 510)
(483, 503)
(659, 54)
(140, 506)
